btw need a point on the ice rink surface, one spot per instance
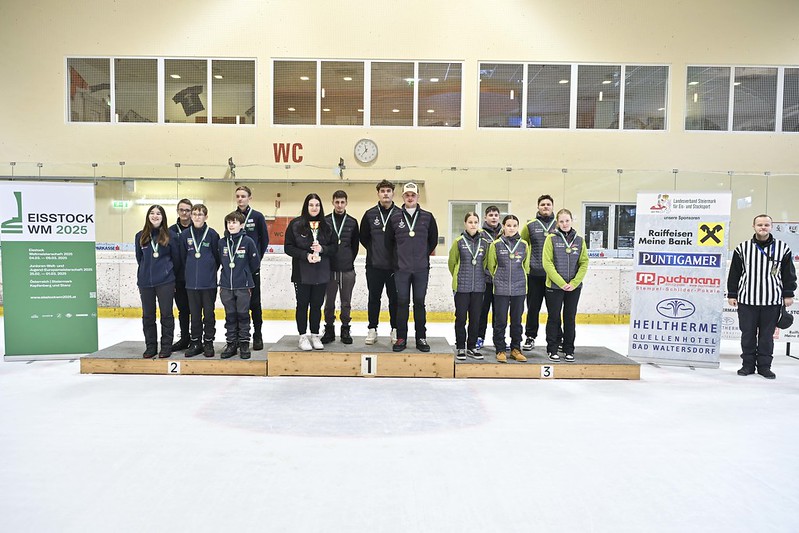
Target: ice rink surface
(680, 450)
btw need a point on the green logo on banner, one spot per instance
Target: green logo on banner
(14, 224)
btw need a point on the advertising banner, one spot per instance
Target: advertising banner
(49, 270)
(679, 263)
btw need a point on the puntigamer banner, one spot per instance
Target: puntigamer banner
(679, 263)
(49, 269)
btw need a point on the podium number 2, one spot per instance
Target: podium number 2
(547, 371)
(173, 367)
(368, 364)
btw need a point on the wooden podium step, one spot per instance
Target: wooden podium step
(358, 359)
(126, 358)
(591, 362)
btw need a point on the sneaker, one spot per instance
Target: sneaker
(399, 345)
(479, 344)
(195, 348)
(393, 335)
(765, 372)
(474, 354)
(257, 341)
(569, 358)
(208, 348)
(746, 370)
(229, 351)
(305, 343)
(371, 336)
(316, 342)
(346, 338)
(244, 350)
(529, 344)
(516, 355)
(182, 344)
(501, 357)
(460, 355)
(330, 334)
(554, 357)
(422, 346)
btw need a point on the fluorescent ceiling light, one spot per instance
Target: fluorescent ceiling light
(431, 110)
(563, 81)
(325, 109)
(347, 78)
(433, 80)
(175, 76)
(304, 78)
(218, 76)
(606, 82)
(693, 83)
(292, 109)
(360, 111)
(395, 110)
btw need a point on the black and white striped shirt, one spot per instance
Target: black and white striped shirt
(761, 273)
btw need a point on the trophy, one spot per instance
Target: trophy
(315, 232)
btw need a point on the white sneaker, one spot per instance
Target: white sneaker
(316, 342)
(305, 343)
(371, 336)
(393, 335)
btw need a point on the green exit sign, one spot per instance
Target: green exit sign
(120, 204)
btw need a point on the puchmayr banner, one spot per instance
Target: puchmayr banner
(679, 263)
(49, 270)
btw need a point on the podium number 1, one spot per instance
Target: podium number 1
(173, 367)
(368, 364)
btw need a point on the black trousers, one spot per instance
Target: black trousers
(503, 304)
(237, 317)
(201, 307)
(566, 301)
(184, 310)
(340, 282)
(467, 304)
(376, 279)
(757, 323)
(536, 291)
(164, 294)
(309, 296)
(407, 282)
(255, 303)
(488, 301)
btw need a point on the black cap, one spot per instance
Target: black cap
(785, 320)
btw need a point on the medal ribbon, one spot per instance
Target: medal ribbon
(338, 230)
(232, 253)
(546, 228)
(511, 251)
(198, 246)
(477, 247)
(567, 243)
(384, 220)
(414, 218)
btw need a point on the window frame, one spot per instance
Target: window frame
(612, 251)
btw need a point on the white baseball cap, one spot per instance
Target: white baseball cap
(410, 187)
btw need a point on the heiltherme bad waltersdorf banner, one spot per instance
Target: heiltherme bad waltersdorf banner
(679, 263)
(49, 270)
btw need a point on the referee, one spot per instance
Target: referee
(762, 279)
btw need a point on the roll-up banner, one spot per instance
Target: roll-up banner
(680, 264)
(49, 270)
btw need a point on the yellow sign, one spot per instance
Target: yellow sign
(711, 234)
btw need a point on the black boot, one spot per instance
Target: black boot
(182, 344)
(346, 338)
(244, 350)
(208, 348)
(229, 351)
(195, 348)
(766, 372)
(746, 370)
(257, 340)
(165, 353)
(149, 351)
(330, 334)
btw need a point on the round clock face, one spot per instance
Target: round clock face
(366, 150)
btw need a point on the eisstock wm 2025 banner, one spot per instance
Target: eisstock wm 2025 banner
(679, 265)
(49, 270)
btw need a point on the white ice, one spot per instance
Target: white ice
(680, 450)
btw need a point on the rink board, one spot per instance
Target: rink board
(126, 358)
(591, 362)
(358, 359)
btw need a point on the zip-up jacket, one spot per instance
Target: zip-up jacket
(411, 254)
(489, 235)
(155, 271)
(200, 273)
(177, 229)
(373, 233)
(509, 270)
(535, 233)
(468, 277)
(564, 266)
(762, 273)
(255, 228)
(344, 260)
(299, 240)
(245, 257)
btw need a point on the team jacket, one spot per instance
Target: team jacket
(245, 257)
(178, 229)
(200, 274)
(372, 234)
(255, 228)
(155, 271)
(468, 277)
(411, 254)
(761, 273)
(535, 233)
(509, 270)
(489, 235)
(562, 267)
(344, 260)
(298, 245)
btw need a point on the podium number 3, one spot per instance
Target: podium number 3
(547, 371)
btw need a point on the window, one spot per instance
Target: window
(707, 98)
(392, 94)
(790, 100)
(548, 96)
(598, 96)
(500, 95)
(342, 93)
(439, 94)
(185, 90)
(610, 229)
(136, 90)
(754, 99)
(294, 92)
(645, 92)
(458, 210)
(233, 90)
(89, 89)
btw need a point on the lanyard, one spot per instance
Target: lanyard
(546, 228)
(338, 230)
(770, 250)
(198, 246)
(568, 244)
(511, 251)
(249, 212)
(154, 246)
(231, 252)
(476, 251)
(408, 222)
(384, 220)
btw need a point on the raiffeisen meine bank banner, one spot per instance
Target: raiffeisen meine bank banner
(679, 264)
